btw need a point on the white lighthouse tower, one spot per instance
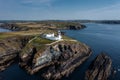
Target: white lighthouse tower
(59, 35)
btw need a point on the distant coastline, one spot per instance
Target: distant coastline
(78, 21)
(100, 21)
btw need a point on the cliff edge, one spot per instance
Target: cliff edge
(10, 48)
(60, 58)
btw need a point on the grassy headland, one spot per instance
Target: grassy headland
(36, 27)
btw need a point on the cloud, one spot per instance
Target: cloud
(38, 2)
(107, 12)
(107, 8)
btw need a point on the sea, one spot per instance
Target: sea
(100, 37)
(4, 30)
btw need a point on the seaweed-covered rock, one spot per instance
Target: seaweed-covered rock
(100, 68)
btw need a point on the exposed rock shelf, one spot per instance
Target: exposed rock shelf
(100, 69)
(9, 49)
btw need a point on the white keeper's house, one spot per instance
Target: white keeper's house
(53, 37)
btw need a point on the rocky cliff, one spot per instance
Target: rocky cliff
(59, 58)
(100, 69)
(75, 27)
(9, 49)
(13, 27)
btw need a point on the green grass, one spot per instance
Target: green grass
(39, 43)
(40, 40)
(67, 38)
(4, 35)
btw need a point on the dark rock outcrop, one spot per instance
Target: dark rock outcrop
(13, 27)
(100, 69)
(76, 27)
(59, 59)
(9, 49)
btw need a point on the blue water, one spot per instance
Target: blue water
(100, 37)
(4, 30)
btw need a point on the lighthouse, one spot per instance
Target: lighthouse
(59, 35)
(53, 37)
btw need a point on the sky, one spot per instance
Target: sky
(59, 9)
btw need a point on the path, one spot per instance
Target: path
(32, 39)
(61, 40)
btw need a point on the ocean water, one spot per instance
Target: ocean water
(4, 30)
(100, 37)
